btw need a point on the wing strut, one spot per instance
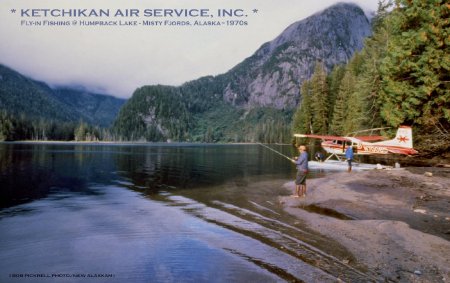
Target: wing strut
(335, 155)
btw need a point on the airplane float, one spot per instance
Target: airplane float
(367, 145)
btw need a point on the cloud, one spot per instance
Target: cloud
(118, 59)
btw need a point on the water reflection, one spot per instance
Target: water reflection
(29, 171)
(32, 171)
(188, 166)
(120, 233)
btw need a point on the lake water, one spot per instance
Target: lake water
(153, 213)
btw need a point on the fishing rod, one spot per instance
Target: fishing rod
(277, 152)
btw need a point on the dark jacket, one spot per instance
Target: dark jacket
(302, 162)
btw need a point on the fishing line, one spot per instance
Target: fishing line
(277, 152)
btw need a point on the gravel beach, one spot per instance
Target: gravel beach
(395, 223)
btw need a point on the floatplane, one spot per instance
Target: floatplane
(363, 145)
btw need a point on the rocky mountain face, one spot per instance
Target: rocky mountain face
(272, 76)
(21, 95)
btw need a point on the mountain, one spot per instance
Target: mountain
(254, 101)
(273, 74)
(20, 95)
(93, 108)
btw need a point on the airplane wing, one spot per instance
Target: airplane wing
(370, 138)
(322, 137)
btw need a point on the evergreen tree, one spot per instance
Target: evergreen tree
(302, 120)
(319, 99)
(334, 81)
(209, 136)
(355, 115)
(39, 130)
(80, 132)
(416, 70)
(341, 107)
(355, 119)
(6, 127)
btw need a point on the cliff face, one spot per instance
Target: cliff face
(273, 75)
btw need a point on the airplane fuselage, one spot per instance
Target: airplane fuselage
(363, 148)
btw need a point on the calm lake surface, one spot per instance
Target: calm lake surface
(151, 213)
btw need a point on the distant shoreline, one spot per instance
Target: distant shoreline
(125, 143)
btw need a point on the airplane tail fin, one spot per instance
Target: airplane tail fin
(403, 138)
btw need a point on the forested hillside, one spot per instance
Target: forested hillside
(400, 77)
(22, 95)
(155, 113)
(31, 110)
(93, 108)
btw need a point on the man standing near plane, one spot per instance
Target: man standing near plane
(302, 169)
(349, 157)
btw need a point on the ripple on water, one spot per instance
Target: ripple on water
(119, 232)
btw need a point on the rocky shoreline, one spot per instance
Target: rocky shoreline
(396, 223)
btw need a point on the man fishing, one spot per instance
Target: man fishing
(302, 169)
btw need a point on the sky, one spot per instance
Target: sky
(116, 59)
